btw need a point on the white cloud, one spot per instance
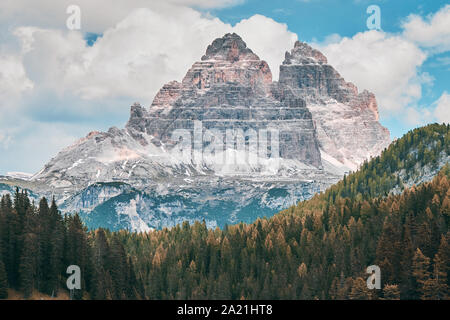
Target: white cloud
(28, 150)
(384, 64)
(389, 64)
(13, 80)
(268, 39)
(96, 16)
(433, 32)
(442, 110)
(415, 116)
(133, 59)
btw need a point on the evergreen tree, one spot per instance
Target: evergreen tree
(3, 281)
(421, 265)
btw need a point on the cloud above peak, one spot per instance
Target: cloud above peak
(131, 59)
(384, 64)
(391, 65)
(431, 32)
(96, 16)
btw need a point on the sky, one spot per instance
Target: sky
(57, 83)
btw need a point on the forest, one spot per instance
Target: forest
(318, 249)
(320, 254)
(37, 244)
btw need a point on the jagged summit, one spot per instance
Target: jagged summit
(227, 62)
(231, 48)
(321, 118)
(302, 53)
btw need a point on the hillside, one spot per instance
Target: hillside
(321, 254)
(318, 249)
(415, 158)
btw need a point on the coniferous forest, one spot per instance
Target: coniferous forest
(319, 249)
(37, 244)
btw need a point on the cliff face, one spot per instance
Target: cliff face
(346, 121)
(230, 88)
(323, 126)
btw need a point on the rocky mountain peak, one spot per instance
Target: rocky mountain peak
(230, 48)
(304, 54)
(324, 124)
(227, 62)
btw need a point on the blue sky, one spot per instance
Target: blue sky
(316, 19)
(56, 85)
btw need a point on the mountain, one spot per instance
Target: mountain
(346, 121)
(226, 144)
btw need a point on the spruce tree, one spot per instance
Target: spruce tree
(3, 281)
(421, 273)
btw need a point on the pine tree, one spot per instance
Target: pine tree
(421, 265)
(443, 255)
(118, 268)
(436, 287)
(77, 250)
(55, 263)
(29, 265)
(3, 281)
(407, 284)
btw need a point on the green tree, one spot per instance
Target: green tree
(3, 281)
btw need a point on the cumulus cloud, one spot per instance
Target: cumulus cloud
(442, 110)
(431, 32)
(130, 59)
(27, 150)
(96, 16)
(390, 64)
(267, 38)
(13, 79)
(384, 64)
(415, 116)
(133, 60)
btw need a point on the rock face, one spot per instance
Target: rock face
(120, 206)
(303, 132)
(229, 89)
(346, 121)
